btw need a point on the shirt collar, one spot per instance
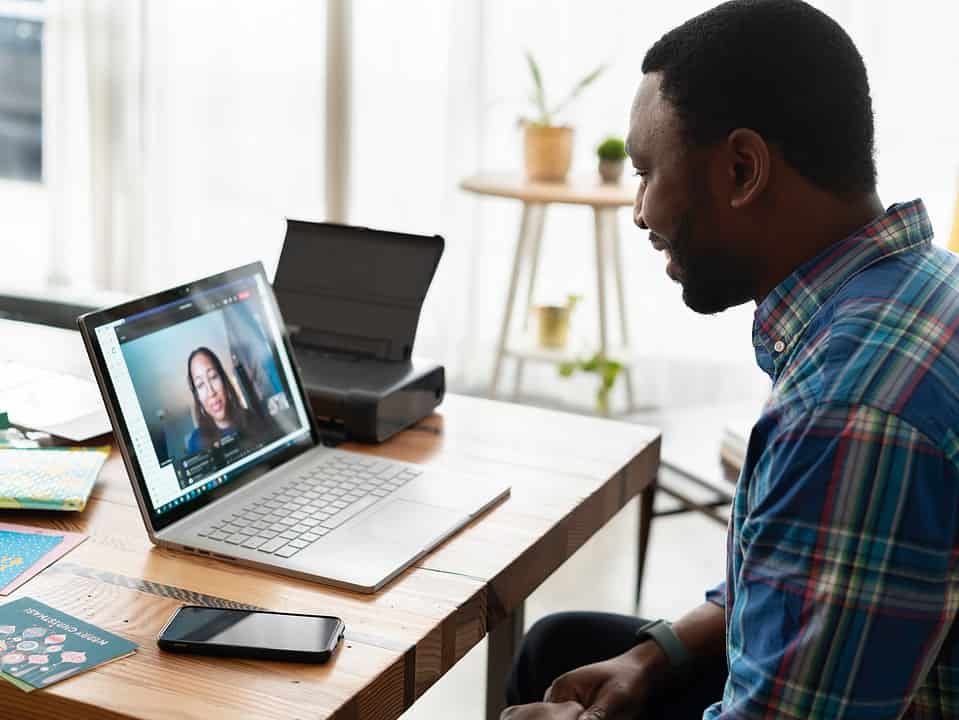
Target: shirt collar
(784, 314)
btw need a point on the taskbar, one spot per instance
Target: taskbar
(194, 493)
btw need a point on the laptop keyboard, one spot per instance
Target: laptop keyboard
(292, 518)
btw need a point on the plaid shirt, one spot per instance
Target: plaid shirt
(842, 581)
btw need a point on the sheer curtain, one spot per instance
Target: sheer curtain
(178, 135)
(437, 91)
(234, 136)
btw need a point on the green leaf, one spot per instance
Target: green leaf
(578, 88)
(538, 96)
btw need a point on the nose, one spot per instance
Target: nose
(638, 210)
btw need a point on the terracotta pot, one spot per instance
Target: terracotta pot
(611, 170)
(549, 152)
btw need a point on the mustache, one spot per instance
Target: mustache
(658, 240)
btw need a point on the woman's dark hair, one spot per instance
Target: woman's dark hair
(235, 412)
(783, 69)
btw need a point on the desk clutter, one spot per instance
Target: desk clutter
(40, 645)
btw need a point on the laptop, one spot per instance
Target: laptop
(226, 459)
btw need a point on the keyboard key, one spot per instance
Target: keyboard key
(273, 545)
(287, 551)
(219, 535)
(260, 525)
(237, 538)
(310, 537)
(300, 529)
(254, 542)
(311, 522)
(299, 544)
(347, 513)
(290, 535)
(299, 515)
(279, 527)
(340, 504)
(381, 493)
(390, 471)
(288, 521)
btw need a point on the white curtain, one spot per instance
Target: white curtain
(437, 91)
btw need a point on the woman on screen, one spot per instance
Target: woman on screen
(217, 407)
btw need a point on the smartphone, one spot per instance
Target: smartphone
(255, 634)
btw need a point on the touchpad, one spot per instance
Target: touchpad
(402, 521)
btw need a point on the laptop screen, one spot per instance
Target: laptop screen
(205, 387)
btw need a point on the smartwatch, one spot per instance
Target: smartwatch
(662, 633)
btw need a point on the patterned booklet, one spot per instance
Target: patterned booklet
(25, 551)
(49, 478)
(40, 645)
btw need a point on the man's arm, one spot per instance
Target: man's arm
(620, 687)
(846, 588)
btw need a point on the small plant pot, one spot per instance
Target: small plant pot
(611, 170)
(553, 323)
(548, 151)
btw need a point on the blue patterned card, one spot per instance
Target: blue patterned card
(19, 551)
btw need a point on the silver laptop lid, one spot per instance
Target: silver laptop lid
(201, 388)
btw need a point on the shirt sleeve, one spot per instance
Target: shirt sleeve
(846, 587)
(717, 595)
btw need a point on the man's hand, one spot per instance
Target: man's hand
(543, 711)
(615, 688)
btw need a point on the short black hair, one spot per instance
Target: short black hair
(781, 68)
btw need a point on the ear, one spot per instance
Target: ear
(750, 166)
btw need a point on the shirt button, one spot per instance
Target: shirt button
(779, 346)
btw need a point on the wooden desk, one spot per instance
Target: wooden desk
(605, 200)
(569, 475)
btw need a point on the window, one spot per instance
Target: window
(21, 114)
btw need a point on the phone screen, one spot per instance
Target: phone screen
(254, 629)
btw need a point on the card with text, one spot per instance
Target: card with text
(40, 645)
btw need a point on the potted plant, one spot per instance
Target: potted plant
(548, 147)
(554, 322)
(612, 154)
(607, 370)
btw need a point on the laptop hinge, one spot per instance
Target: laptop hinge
(332, 431)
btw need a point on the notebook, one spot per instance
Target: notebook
(49, 478)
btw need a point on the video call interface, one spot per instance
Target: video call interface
(214, 393)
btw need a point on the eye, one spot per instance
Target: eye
(641, 174)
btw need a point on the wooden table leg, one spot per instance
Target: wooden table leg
(646, 498)
(601, 250)
(537, 219)
(617, 260)
(504, 642)
(510, 299)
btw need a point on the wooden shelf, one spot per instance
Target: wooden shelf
(528, 349)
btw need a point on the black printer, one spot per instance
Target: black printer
(351, 299)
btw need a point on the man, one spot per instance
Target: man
(752, 131)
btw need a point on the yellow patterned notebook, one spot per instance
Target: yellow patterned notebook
(49, 478)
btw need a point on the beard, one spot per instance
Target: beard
(712, 280)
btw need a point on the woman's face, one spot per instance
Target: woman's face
(209, 388)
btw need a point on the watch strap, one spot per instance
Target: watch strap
(662, 633)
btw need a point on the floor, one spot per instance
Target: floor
(686, 556)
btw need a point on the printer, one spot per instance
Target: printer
(351, 299)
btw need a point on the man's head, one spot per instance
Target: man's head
(740, 110)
